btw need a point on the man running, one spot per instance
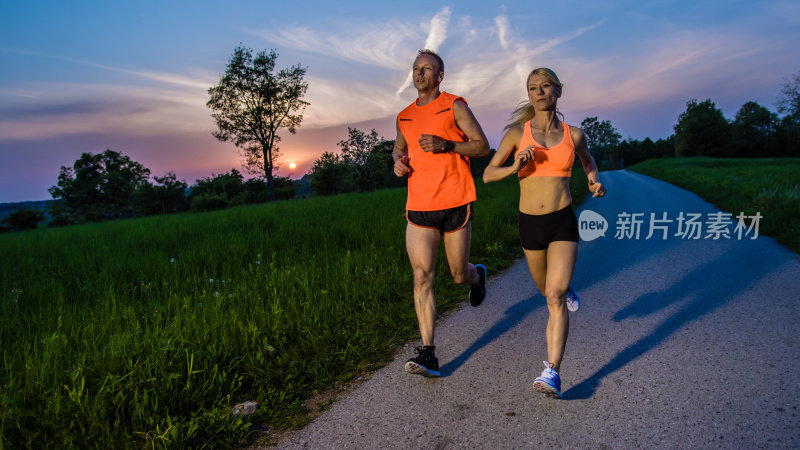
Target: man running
(436, 136)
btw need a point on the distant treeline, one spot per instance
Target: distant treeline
(110, 185)
(703, 130)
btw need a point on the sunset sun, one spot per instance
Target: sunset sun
(292, 165)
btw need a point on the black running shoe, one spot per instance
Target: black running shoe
(426, 364)
(477, 292)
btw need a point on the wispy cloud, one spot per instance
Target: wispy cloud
(437, 33)
(152, 102)
(57, 109)
(201, 82)
(378, 44)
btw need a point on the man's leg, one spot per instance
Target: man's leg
(422, 245)
(457, 247)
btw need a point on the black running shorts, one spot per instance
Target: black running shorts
(444, 220)
(537, 232)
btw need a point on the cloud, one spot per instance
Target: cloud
(200, 82)
(363, 101)
(165, 103)
(45, 110)
(382, 45)
(437, 33)
(502, 30)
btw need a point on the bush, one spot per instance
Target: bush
(23, 219)
(209, 202)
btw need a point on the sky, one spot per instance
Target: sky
(86, 76)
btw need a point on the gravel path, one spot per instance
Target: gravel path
(678, 343)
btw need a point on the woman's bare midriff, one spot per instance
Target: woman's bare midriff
(543, 195)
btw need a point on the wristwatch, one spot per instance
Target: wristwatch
(449, 146)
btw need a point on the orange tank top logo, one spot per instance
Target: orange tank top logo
(547, 162)
(437, 180)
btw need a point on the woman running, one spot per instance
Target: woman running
(545, 149)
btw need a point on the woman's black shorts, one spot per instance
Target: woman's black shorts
(537, 232)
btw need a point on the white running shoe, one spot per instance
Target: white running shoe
(549, 382)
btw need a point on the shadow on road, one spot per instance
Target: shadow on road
(708, 292)
(511, 317)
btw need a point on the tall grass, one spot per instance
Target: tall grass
(144, 332)
(770, 186)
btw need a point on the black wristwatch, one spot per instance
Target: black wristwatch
(449, 146)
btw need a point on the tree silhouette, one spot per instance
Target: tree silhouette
(98, 187)
(252, 103)
(702, 130)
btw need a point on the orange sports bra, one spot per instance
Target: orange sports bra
(547, 162)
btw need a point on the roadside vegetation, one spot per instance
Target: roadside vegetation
(770, 186)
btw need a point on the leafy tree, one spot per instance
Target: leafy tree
(230, 189)
(166, 195)
(789, 100)
(98, 187)
(634, 151)
(252, 103)
(787, 137)
(601, 138)
(23, 219)
(788, 132)
(285, 187)
(702, 130)
(753, 131)
(384, 164)
(331, 174)
(216, 191)
(366, 154)
(257, 191)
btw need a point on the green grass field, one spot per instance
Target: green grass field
(770, 186)
(144, 332)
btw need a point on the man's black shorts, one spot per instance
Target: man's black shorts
(444, 220)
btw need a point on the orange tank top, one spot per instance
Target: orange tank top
(437, 180)
(548, 162)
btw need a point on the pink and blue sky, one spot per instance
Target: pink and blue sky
(85, 76)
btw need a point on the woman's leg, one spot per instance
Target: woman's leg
(561, 257)
(537, 264)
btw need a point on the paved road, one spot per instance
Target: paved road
(679, 344)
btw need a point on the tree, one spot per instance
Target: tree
(23, 219)
(635, 151)
(98, 187)
(601, 137)
(788, 133)
(166, 195)
(753, 131)
(789, 100)
(331, 174)
(365, 153)
(702, 130)
(216, 191)
(252, 103)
